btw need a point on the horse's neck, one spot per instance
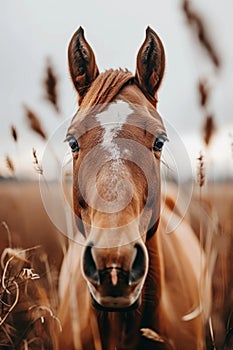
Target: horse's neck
(152, 288)
(119, 330)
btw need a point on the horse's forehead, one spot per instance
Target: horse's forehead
(112, 121)
(101, 115)
(116, 114)
(114, 117)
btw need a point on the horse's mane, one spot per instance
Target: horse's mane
(105, 88)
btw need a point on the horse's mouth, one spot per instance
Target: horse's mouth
(112, 304)
(116, 298)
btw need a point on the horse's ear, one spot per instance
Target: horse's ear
(82, 65)
(150, 65)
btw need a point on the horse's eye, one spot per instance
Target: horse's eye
(158, 144)
(73, 143)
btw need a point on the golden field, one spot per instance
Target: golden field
(25, 225)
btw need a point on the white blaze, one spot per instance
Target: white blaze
(112, 121)
(116, 190)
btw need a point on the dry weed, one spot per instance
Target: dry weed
(209, 129)
(36, 163)
(10, 164)
(50, 84)
(14, 133)
(34, 122)
(199, 28)
(201, 171)
(25, 313)
(4, 224)
(204, 92)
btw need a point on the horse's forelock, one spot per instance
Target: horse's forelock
(103, 91)
(106, 87)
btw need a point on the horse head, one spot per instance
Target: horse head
(116, 139)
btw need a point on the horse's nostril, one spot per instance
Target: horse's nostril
(89, 266)
(139, 265)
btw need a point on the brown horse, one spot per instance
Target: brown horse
(132, 285)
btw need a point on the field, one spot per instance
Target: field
(28, 226)
(28, 288)
(217, 202)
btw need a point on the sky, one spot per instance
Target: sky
(32, 30)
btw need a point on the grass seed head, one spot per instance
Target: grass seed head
(203, 90)
(209, 129)
(14, 133)
(50, 85)
(10, 164)
(199, 28)
(34, 122)
(201, 171)
(36, 162)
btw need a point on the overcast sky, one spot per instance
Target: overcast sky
(33, 30)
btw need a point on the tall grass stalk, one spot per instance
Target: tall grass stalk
(9, 236)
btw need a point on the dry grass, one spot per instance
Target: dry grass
(200, 171)
(4, 224)
(209, 129)
(30, 227)
(14, 133)
(214, 215)
(10, 165)
(34, 122)
(50, 86)
(31, 255)
(210, 210)
(198, 26)
(36, 162)
(26, 312)
(203, 90)
(31, 251)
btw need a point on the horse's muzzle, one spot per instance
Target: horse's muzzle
(115, 276)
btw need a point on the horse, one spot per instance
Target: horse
(130, 285)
